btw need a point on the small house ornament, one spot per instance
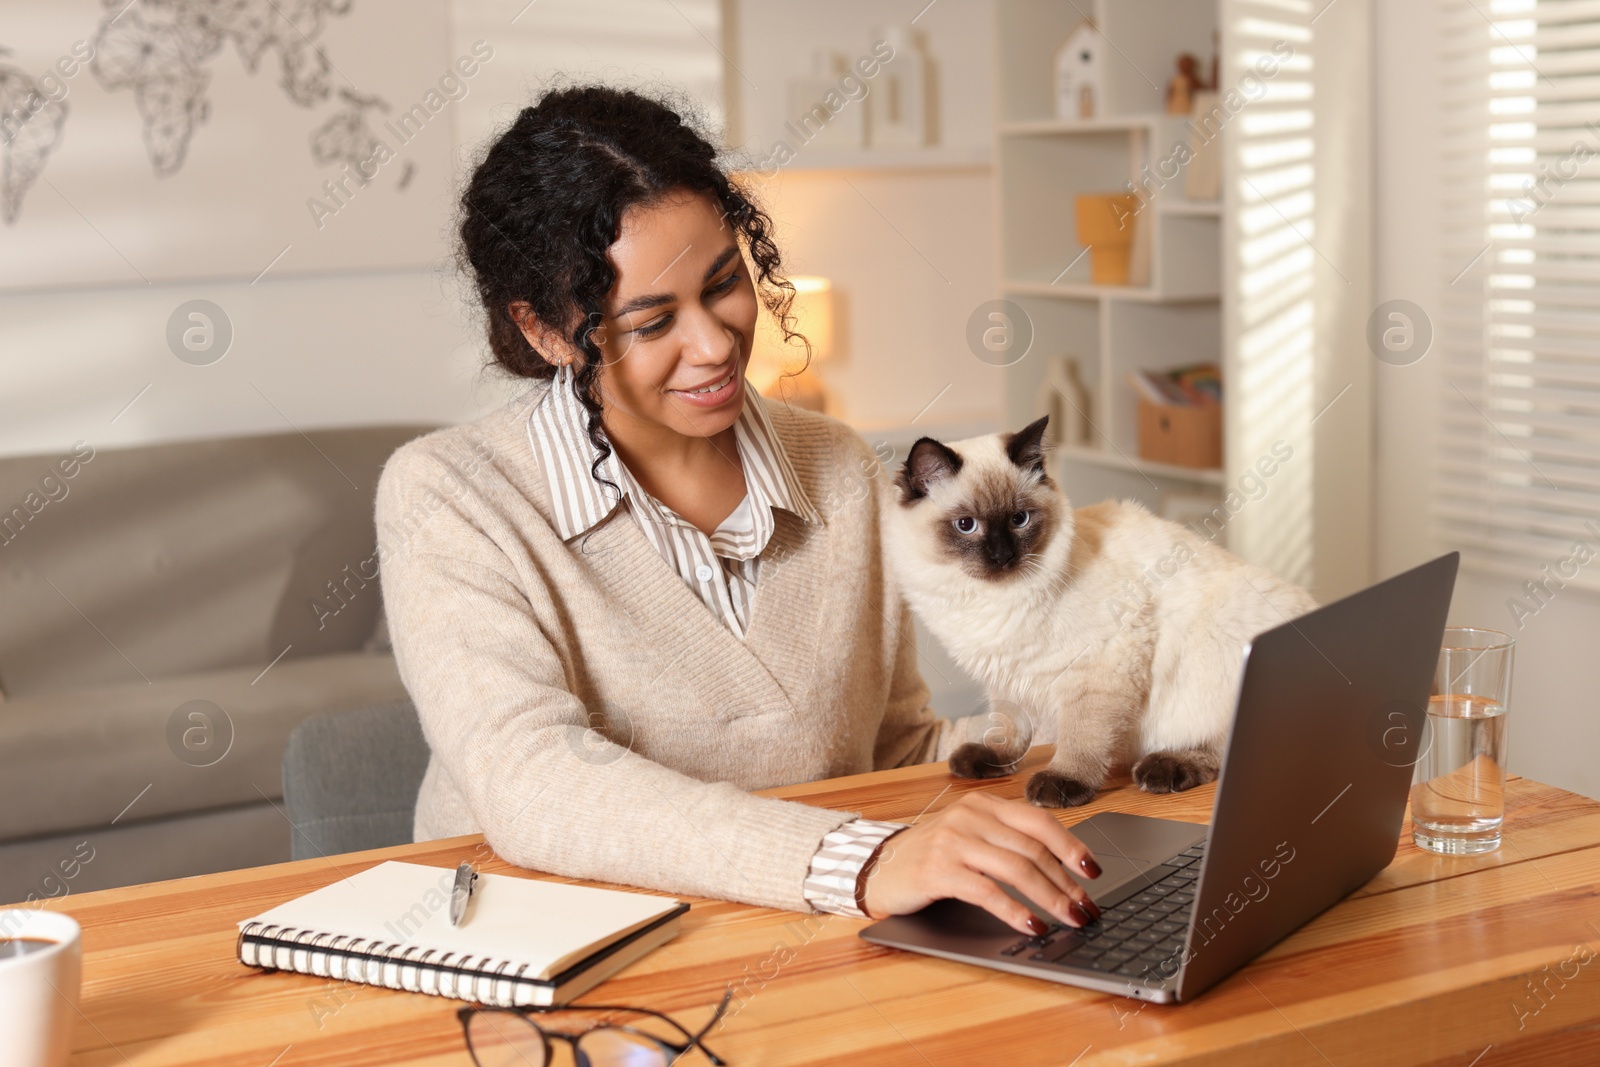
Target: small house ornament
(1079, 77)
(1065, 399)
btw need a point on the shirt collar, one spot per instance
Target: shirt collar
(558, 433)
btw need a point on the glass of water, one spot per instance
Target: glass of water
(1458, 791)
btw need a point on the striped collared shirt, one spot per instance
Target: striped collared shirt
(720, 568)
(836, 881)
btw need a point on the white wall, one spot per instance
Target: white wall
(1555, 733)
(333, 349)
(911, 249)
(903, 316)
(326, 349)
(308, 352)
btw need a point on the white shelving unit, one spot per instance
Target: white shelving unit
(1043, 164)
(1271, 281)
(767, 47)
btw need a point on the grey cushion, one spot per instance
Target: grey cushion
(218, 839)
(77, 758)
(350, 779)
(166, 560)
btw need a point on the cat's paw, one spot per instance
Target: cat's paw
(974, 760)
(1047, 789)
(1168, 772)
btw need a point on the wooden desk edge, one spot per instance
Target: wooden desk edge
(815, 793)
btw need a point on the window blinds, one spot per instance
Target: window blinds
(1519, 464)
(1270, 240)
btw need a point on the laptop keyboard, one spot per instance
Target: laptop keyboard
(1138, 937)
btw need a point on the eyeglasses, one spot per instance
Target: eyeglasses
(621, 1037)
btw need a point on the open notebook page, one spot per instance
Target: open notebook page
(547, 925)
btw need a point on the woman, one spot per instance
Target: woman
(640, 591)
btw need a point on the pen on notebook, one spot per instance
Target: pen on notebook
(461, 892)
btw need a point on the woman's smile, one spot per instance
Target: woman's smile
(715, 393)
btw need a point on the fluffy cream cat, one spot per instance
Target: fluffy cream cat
(1122, 631)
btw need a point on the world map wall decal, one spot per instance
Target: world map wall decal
(163, 63)
(180, 138)
(30, 126)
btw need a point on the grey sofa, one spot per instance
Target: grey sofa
(168, 614)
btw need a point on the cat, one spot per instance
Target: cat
(1123, 631)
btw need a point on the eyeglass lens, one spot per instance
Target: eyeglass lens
(510, 1039)
(505, 1039)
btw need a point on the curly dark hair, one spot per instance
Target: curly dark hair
(547, 201)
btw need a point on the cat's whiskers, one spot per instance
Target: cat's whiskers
(1052, 585)
(1031, 565)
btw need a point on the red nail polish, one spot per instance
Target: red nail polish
(1091, 907)
(1077, 911)
(1090, 867)
(1035, 927)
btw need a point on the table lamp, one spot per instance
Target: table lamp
(775, 367)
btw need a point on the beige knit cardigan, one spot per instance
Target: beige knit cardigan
(589, 715)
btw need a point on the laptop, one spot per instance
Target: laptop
(1329, 723)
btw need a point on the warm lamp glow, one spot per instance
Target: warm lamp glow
(775, 367)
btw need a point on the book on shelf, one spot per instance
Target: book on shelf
(522, 942)
(1199, 385)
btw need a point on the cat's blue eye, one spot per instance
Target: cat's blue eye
(966, 524)
(1019, 519)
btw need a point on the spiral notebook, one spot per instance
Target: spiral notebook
(523, 942)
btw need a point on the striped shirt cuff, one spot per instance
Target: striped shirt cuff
(834, 883)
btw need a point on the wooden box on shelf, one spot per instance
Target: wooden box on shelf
(1182, 435)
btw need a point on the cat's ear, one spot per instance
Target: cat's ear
(929, 462)
(1026, 446)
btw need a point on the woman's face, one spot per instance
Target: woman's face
(679, 319)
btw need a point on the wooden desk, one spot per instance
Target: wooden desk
(1436, 961)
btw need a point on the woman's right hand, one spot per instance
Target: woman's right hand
(963, 852)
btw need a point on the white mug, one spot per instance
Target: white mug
(39, 989)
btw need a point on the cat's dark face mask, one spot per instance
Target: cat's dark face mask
(992, 519)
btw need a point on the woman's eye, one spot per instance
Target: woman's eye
(654, 326)
(966, 524)
(1019, 519)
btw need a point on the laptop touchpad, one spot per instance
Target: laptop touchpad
(1127, 847)
(1122, 859)
(1117, 872)
(1120, 877)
